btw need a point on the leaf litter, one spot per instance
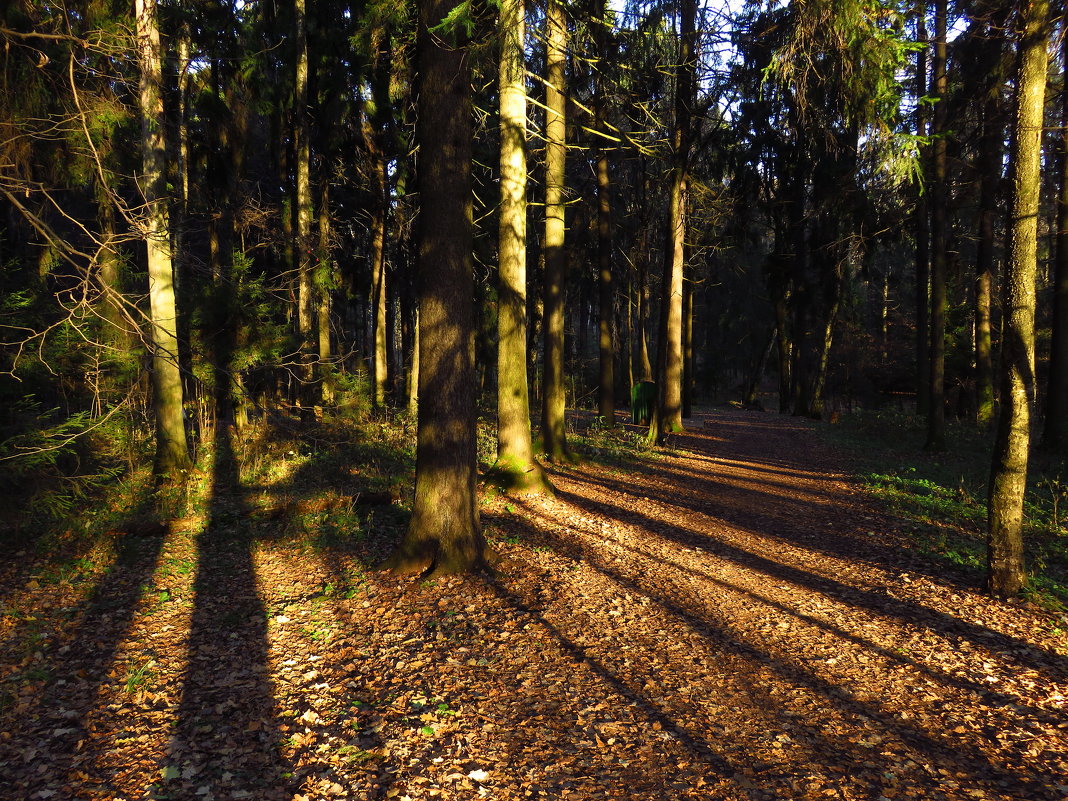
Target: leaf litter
(732, 621)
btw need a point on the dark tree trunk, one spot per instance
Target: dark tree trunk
(444, 535)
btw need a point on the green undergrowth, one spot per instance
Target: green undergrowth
(942, 495)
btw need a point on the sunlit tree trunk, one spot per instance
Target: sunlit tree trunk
(444, 535)
(515, 453)
(379, 297)
(172, 452)
(670, 356)
(325, 260)
(936, 414)
(554, 438)
(304, 212)
(1008, 479)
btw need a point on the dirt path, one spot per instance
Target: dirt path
(732, 622)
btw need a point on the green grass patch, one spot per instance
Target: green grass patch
(943, 495)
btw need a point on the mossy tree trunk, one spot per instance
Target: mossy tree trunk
(444, 535)
(516, 467)
(172, 451)
(553, 432)
(1008, 479)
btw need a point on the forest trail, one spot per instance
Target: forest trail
(732, 621)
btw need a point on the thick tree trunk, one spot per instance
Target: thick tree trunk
(515, 453)
(936, 414)
(1055, 432)
(444, 535)
(1008, 480)
(172, 452)
(554, 438)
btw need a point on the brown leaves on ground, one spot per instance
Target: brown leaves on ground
(729, 622)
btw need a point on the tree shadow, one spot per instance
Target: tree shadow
(56, 708)
(227, 737)
(835, 748)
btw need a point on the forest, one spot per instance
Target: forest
(367, 365)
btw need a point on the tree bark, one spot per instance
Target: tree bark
(516, 468)
(554, 437)
(922, 231)
(304, 212)
(936, 414)
(444, 535)
(606, 389)
(992, 152)
(172, 452)
(1008, 480)
(670, 355)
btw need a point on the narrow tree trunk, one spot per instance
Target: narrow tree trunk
(554, 438)
(325, 259)
(921, 224)
(1008, 481)
(992, 151)
(670, 356)
(1055, 432)
(379, 329)
(606, 397)
(444, 535)
(172, 452)
(515, 452)
(304, 211)
(936, 414)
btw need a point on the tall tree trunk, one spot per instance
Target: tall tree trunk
(936, 414)
(515, 452)
(1008, 479)
(444, 535)
(606, 395)
(922, 230)
(1055, 432)
(379, 297)
(326, 269)
(606, 389)
(669, 352)
(992, 152)
(304, 212)
(554, 437)
(172, 451)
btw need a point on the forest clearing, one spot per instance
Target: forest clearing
(735, 619)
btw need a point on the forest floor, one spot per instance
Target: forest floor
(731, 620)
